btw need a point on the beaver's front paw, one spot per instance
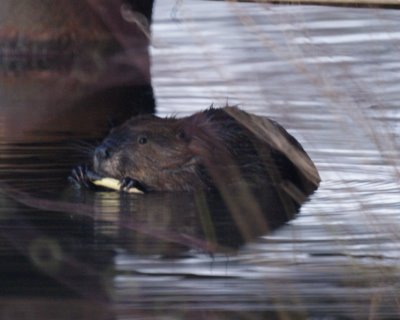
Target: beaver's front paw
(128, 183)
(79, 177)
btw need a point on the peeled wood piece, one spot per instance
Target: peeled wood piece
(110, 183)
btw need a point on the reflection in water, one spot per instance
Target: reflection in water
(169, 224)
(52, 261)
(53, 265)
(200, 221)
(64, 247)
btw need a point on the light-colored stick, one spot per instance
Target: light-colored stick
(113, 184)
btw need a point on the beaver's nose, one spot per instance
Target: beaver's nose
(102, 153)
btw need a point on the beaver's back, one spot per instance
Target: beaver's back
(237, 145)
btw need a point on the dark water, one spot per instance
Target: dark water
(331, 77)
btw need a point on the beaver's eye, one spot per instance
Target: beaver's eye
(142, 140)
(181, 135)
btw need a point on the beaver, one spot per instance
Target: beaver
(207, 150)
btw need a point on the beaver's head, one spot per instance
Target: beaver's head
(154, 151)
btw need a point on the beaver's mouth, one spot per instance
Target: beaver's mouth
(22, 54)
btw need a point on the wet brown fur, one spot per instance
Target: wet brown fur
(206, 150)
